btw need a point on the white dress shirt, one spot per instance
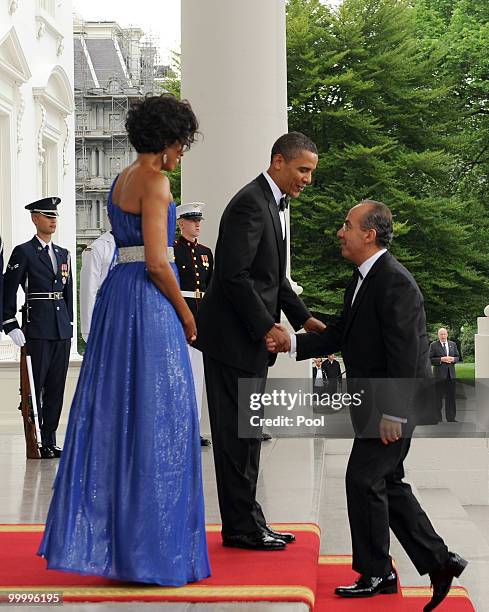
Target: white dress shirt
(365, 268)
(278, 195)
(96, 262)
(52, 256)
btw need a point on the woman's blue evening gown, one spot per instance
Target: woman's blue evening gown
(127, 501)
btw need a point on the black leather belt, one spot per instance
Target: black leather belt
(54, 295)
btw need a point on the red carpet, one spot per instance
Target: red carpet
(334, 570)
(288, 575)
(297, 574)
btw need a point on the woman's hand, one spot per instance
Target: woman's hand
(189, 328)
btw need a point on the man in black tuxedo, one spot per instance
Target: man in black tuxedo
(444, 355)
(242, 305)
(382, 335)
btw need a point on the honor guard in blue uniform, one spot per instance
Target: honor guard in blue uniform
(43, 270)
(195, 264)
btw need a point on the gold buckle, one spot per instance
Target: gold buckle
(198, 294)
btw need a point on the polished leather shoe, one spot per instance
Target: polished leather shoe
(56, 450)
(265, 437)
(285, 536)
(204, 441)
(368, 587)
(253, 541)
(46, 452)
(441, 580)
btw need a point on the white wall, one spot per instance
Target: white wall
(36, 112)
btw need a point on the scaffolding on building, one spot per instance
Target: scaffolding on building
(102, 100)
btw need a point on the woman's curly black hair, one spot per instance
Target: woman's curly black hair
(156, 122)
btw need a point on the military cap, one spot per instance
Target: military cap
(193, 210)
(45, 206)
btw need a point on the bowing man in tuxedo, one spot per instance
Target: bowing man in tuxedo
(382, 334)
(241, 307)
(444, 355)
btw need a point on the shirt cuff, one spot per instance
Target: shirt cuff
(293, 347)
(394, 418)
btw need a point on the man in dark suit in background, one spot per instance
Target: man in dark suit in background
(382, 335)
(444, 355)
(333, 373)
(242, 305)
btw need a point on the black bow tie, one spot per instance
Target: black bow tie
(284, 203)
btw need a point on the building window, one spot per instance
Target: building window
(46, 5)
(50, 169)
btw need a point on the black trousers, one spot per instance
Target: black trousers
(236, 459)
(445, 389)
(378, 499)
(50, 359)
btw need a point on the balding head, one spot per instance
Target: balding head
(443, 334)
(377, 216)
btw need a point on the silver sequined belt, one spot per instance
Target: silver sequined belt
(136, 253)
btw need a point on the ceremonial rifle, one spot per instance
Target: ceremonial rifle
(28, 402)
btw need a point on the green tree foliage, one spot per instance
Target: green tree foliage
(368, 82)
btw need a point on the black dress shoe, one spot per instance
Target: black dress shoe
(280, 535)
(204, 441)
(441, 580)
(253, 541)
(265, 437)
(46, 452)
(55, 450)
(368, 587)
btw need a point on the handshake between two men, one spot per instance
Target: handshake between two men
(278, 338)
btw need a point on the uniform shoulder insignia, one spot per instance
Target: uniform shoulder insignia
(89, 248)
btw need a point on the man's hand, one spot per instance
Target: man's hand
(277, 339)
(314, 325)
(447, 359)
(390, 431)
(17, 336)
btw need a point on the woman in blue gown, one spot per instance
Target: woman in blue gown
(127, 501)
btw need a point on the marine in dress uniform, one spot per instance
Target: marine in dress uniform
(195, 264)
(43, 270)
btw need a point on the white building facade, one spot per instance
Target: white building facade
(36, 120)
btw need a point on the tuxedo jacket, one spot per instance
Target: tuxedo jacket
(440, 369)
(249, 288)
(382, 335)
(332, 369)
(30, 267)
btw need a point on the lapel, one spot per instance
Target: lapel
(42, 255)
(273, 209)
(353, 309)
(59, 259)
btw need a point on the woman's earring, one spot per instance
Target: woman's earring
(165, 158)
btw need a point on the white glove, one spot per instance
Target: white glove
(17, 336)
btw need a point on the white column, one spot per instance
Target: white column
(234, 75)
(93, 162)
(482, 346)
(101, 162)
